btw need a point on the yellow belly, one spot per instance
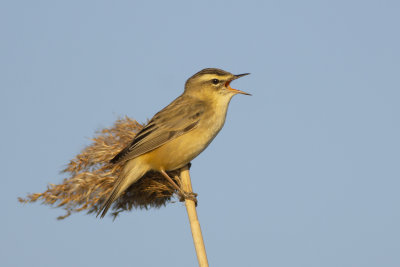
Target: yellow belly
(179, 151)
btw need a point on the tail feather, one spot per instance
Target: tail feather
(113, 196)
(132, 172)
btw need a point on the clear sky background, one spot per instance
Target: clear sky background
(304, 173)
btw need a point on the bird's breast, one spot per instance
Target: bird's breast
(181, 150)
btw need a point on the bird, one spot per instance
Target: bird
(178, 133)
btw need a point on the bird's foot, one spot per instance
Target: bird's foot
(188, 196)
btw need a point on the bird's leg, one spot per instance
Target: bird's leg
(184, 195)
(192, 193)
(189, 195)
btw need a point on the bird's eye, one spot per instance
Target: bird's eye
(215, 81)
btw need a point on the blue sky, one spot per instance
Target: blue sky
(304, 173)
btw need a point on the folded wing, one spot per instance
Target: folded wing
(176, 119)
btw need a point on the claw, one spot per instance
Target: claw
(189, 196)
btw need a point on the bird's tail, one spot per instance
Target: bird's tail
(132, 172)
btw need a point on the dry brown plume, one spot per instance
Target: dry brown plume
(91, 177)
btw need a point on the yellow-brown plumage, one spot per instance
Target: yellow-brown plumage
(179, 132)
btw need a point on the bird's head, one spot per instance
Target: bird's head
(212, 83)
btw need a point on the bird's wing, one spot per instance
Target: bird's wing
(178, 118)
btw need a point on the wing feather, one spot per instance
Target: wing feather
(178, 118)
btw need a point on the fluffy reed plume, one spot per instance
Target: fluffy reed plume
(91, 177)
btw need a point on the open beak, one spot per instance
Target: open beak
(236, 91)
